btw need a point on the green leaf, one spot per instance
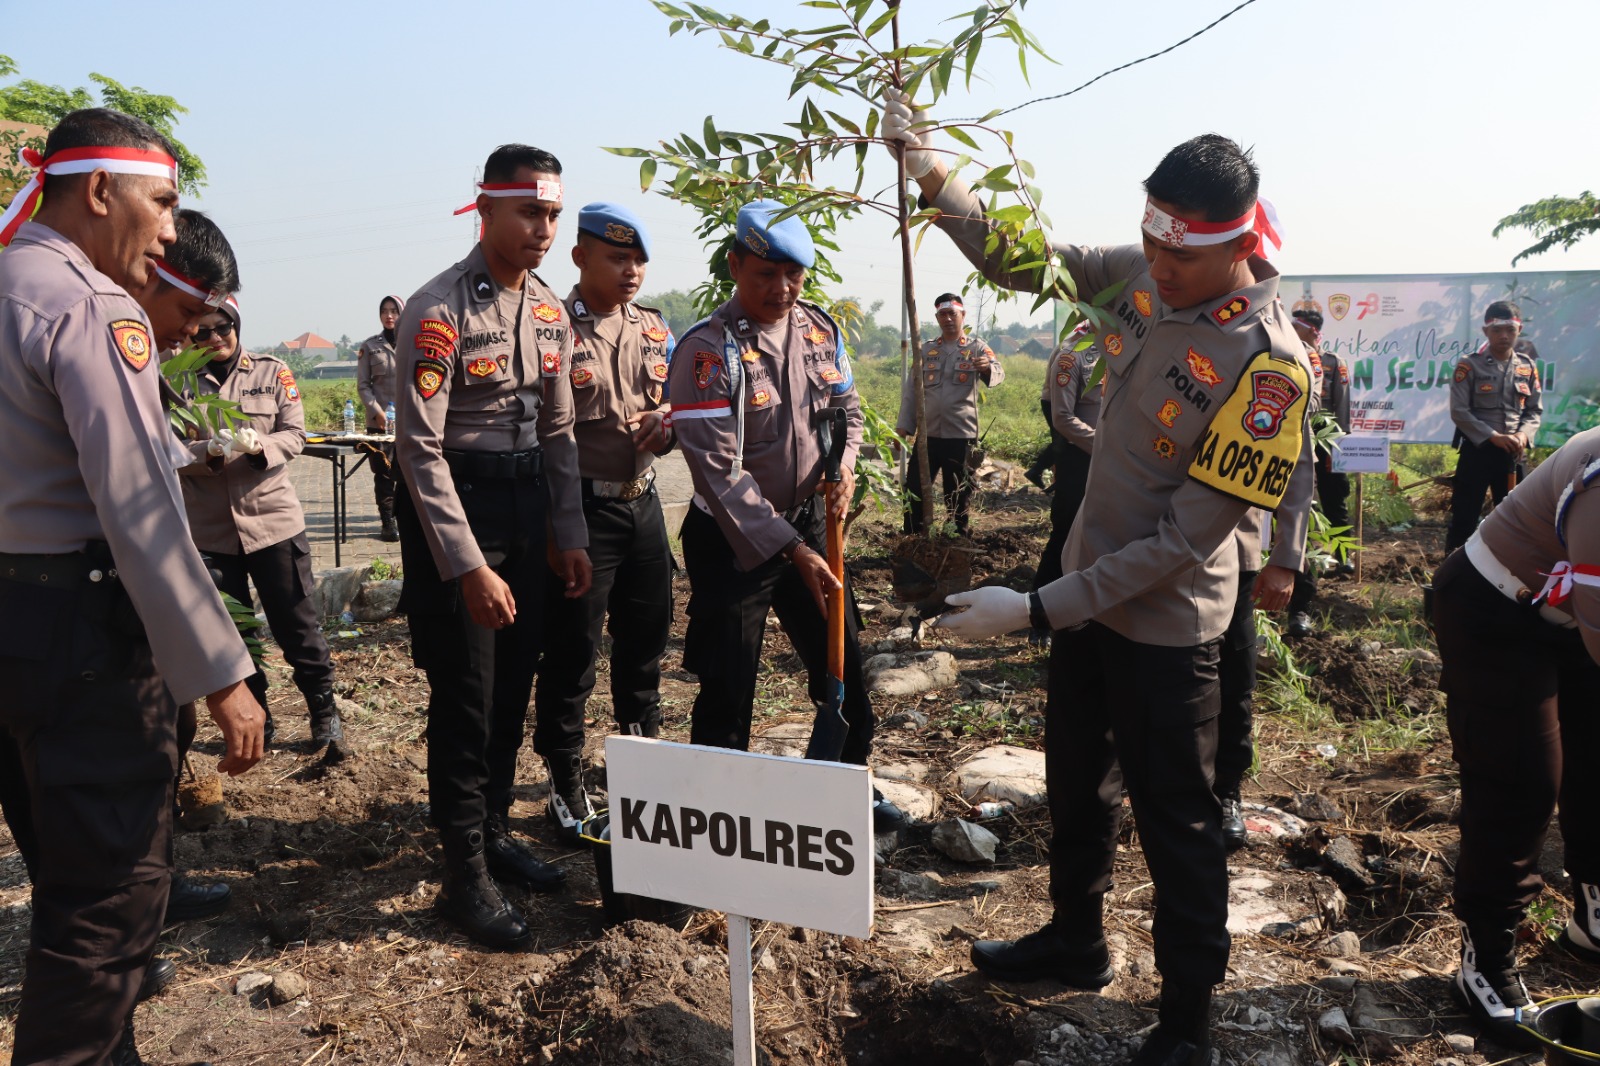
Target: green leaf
(713, 143)
(647, 174)
(1109, 293)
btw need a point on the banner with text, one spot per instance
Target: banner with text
(1402, 334)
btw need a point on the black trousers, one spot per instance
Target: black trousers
(1050, 454)
(947, 458)
(1333, 493)
(1072, 479)
(1123, 714)
(282, 576)
(383, 478)
(727, 620)
(1480, 468)
(1521, 695)
(93, 728)
(632, 591)
(479, 679)
(1236, 673)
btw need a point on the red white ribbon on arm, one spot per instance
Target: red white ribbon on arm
(170, 275)
(1558, 589)
(79, 161)
(539, 190)
(1191, 233)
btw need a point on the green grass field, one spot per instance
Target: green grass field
(1008, 416)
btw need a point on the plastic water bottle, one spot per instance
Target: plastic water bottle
(349, 418)
(388, 419)
(982, 812)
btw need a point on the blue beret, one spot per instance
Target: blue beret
(788, 240)
(615, 225)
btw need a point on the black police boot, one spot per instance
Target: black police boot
(326, 729)
(1182, 1036)
(391, 529)
(472, 900)
(886, 817)
(1300, 625)
(127, 1052)
(188, 900)
(568, 805)
(157, 976)
(510, 861)
(1489, 986)
(1070, 949)
(269, 728)
(1233, 831)
(1582, 935)
(648, 726)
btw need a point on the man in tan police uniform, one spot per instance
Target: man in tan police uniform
(619, 373)
(952, 366)
(1206, 397)
(1496, 404)
(106, 611)
(1074, 408)
(487, 455)
(375, 384)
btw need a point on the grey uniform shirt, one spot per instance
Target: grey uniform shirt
(1152, 554)
(89, 457)
(1489, 397)
(1074, 406)
(485, 369)
(784, 373)
(1521, 530)
(245, 502)
(619, 371)
(950, 387)
(375, 370)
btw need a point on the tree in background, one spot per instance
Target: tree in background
(45, 105)
(1555, 220)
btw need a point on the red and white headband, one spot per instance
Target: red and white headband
(1190, 233)
(79, 161)
(539, 190)
(950, 305)
(170, 275)
(1503, 322)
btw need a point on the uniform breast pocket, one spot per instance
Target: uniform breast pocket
(1179, 408)
(1486, 399)
(261, 409)
(762, 417)
(588, 394)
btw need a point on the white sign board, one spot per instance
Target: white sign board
(785, 840)
(1361, 453)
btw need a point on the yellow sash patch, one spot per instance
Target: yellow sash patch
(1252, 445)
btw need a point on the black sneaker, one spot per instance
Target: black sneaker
(1046, 955)
(568, 805)
(1494, 995)
(1234, 836)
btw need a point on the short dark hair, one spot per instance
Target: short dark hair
(1209, 175)
(1310, 316)
(504, 162)
(201, 252)
(99, 127)
(1502, 309)
(942, 297)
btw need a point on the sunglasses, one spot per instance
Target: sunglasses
(205, 333)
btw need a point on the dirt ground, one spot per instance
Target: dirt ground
(334, 873)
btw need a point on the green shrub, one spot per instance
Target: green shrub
(1008, 416)
(324, 404)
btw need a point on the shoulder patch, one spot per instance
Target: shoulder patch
(1231, 310)
(132, 340)
(436, 337)
(430, 377)
(707, 368)
(1253, 443)
(286, 379)
(1463, 368)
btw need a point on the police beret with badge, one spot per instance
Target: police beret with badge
(615, 225)
(787, 240)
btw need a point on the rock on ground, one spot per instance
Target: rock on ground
(964, 841)
(911, 675)
(1004, 772)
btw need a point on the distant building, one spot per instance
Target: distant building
(331, 368)
(310, 346)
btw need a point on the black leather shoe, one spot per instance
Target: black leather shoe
(326, 729)
(1233, 831)
(189, 900)
(886, 817)
(1161, 1049)
(269, 728)
(472, 900)
(1300, 625)
(1046, 955)
(509, 861)
(157, 976)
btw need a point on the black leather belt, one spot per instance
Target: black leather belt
(59, 571)
(491, 465)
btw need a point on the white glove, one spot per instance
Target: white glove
(246, 442)
(990, 611)
(898, 119)
(221, 444)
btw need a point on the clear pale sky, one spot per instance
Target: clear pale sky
(1391, 134)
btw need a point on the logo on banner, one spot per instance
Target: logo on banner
(1369, 306)
(1338, 306)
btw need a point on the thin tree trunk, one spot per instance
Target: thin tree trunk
(920, 384)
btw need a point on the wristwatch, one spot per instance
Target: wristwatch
(794, 546)
(1036, 616)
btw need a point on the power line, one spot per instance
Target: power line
(1125, 66)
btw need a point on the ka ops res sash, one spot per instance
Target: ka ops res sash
(1252, 445)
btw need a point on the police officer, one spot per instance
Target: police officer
(244, 514)
(951, 367)
(619, 370)
(1203, 418)
(1496, 406)
(107, 611)
(1074, 408)
(375, 385)
(744, 385)
(486, 451)
(1333, 486)
(1521, 654)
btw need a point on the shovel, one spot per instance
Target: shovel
(829, 733)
